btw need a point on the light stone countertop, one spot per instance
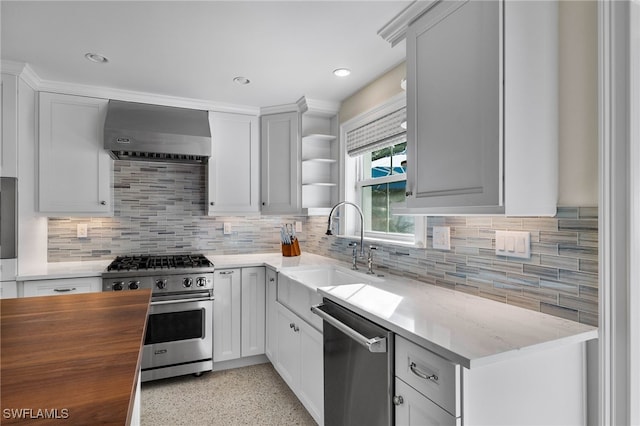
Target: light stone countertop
(463, 328)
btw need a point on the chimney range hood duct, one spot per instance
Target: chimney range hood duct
(135, 131)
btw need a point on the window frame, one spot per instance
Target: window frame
(351, 182)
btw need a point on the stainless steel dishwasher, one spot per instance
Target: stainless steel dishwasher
(358, 368)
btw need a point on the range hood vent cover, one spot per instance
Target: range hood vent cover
(135, 131)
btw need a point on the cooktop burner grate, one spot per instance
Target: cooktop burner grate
(149, 262)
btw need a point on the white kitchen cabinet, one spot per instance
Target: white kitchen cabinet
(238, 313)
(415, 409)
(299, 360)
(280, 141)
(253, 311)
(9, 120)
(543, 387)
(56, 287)
(271, 315)
(482, 110)
(320, 153)
(8, 290)
(227, 291)
(74, 170)
(233, 171)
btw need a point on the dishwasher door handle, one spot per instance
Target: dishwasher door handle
(374, 344)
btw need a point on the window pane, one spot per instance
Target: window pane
(376, 203)
(385, 161)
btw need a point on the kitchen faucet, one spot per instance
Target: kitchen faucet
(353, 244)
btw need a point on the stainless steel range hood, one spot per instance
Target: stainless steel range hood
(135, 131)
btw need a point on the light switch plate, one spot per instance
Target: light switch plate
(298, 226)
(441, 238)
(226, 228)
(513, 244)
(81, 230)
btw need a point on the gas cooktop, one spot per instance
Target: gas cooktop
(151, 262)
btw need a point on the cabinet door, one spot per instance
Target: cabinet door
(312, 371)
(61, 286)
(271, 314)
(454, 94)
(415, 409)
(281, 184)
(253, 311)
(233, 169)
(75, 171)
(226, 314)
(288, 346)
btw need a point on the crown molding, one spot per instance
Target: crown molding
(25, 72)
(318, 107)
(395, 30)
(277, 109)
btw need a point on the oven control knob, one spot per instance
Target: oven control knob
(117, 286)
(201, 282)
(187, 282)
(161, 284)
(134, 285)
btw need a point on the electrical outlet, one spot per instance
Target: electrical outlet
(441, 238)
(226, 228)
(81, 230)
(298, 226)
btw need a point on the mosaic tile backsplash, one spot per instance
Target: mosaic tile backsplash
(160, 208)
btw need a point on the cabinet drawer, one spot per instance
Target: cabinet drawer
(414, 409)
(62, 286)
(433, 376)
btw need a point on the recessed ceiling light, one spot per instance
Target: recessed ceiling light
(241, 80)
(342, 72)
(94, 57)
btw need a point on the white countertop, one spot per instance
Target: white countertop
(55, 270)
(463, 328)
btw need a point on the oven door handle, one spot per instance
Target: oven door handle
(174, 301)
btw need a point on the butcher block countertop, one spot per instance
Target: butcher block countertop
(72, 357)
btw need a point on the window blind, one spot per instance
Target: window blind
(382, 132)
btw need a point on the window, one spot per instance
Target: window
(375, 174)
(381, 184)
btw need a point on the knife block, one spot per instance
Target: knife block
(293, 249)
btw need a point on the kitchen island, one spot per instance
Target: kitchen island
(72, 357)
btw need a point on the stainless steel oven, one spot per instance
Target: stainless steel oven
(179, 336)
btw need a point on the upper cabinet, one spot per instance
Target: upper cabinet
(280, 140)
(320, 153)
(234, 167)
(482, 113)
(74, 171)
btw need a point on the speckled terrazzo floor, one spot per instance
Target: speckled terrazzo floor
(253, 395)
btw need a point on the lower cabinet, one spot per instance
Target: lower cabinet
(415, 409)
(57, 287)
(238, 313)
(299, 360)
(271, 313)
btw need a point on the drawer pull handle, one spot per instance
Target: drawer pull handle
(295, 327)
(414, 370)
(226, 272)
(64, 290)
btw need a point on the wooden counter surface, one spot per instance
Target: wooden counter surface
(76, 356)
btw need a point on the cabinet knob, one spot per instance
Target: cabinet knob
(271, 280)
(263, 203)
(103, 203)
(295, 327)
(398, 400)
(212, 203)
(408, 193)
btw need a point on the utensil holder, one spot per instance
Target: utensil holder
(293, 249)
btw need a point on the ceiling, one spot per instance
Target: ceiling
(193, 50)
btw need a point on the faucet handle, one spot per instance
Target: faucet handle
(353, 244)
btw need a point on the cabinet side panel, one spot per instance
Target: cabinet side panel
(544, 388)
(531, 107)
